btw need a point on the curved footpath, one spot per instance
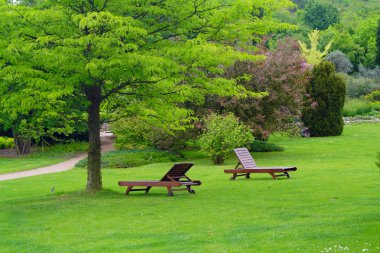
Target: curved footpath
(107, 145)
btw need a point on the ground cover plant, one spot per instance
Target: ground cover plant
(329, 205)
(42, 156)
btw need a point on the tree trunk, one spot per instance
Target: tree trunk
(94, 176)
(219, 159)
(23, 145)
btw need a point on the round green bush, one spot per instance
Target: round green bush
(222, 134)
(323, 111)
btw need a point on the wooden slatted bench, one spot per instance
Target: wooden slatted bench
(247, 165)
(175, 177)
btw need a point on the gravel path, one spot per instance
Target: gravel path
(107, 145)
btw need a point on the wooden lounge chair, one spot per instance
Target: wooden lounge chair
(175, 177)
(247, 165)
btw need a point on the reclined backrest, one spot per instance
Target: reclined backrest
(177, 171)
(245, 158)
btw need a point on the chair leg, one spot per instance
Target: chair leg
(128, 189)
(189, 189)
(273, 175)
(247, 175)
(170, 192)
(233, 176)
(147, 189)
(287, 174)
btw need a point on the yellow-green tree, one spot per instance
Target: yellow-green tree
(312, 54)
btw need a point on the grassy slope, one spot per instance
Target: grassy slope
(332, 200)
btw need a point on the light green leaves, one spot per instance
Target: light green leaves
(312, 54)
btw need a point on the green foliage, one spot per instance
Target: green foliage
(340, 60)
(283, 75)
(6, 143)
(361, 86)
(356, 37)
(358, 106)
(264, 146)
(136, 133)
(59, 150)
(133, 158)
(323, 111)
(320, 16)
(313, 55)
(221, 135)
(377, 60)
(133, 57)
(301, 4)
(374, 96)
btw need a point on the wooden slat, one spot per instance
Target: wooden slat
(150, 183)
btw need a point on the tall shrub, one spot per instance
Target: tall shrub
(222, 134)
(283, 75)
(323, 111)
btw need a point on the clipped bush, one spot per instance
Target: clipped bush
(222, 134)
(132, 158)
(264, 146)
(323, 111)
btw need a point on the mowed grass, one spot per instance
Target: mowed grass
(332, 201)
(41, 157)
(9, 165)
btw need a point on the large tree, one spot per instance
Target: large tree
(137, 54)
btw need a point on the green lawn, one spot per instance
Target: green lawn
(8, 165)
(332, 201)
(41, 157)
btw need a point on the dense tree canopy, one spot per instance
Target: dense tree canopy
(320, 16)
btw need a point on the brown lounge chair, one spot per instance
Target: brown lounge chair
(175, 177)
(249, 166)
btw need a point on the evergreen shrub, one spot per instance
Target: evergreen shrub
(323, 111)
